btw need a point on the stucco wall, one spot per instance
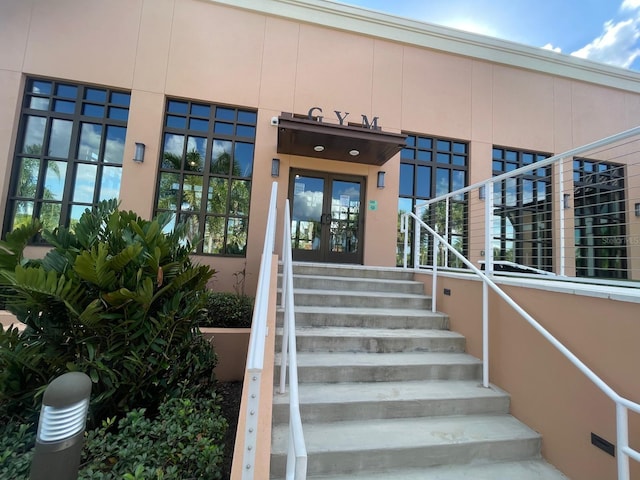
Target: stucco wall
(547, 392)
(207, 51)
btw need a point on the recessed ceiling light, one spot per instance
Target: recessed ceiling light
(354, 153)
(318, 148)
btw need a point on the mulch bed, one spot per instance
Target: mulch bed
(231, 393)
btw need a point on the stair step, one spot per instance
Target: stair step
(347, 447)
(369, 317)
(361, 401)
(341, 298)
(316, 367)
(524, 470)
(358, 284)
(359, 271)
(380, 340)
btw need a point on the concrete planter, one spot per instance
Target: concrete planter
(231, 346)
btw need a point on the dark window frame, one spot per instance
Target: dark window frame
(44, 156)
(506, 159)
(218, 115)
(434, 153)
(599, 195)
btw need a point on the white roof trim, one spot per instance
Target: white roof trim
(389, 27)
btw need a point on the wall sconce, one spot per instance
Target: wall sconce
(381, 179)
(637, 209)
(275, 167)
(482, 192)
(138, 156)
(565, 201)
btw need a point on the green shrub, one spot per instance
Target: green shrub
(183, 441)
(227, 310)
(115, 298)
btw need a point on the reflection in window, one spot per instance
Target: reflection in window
(430, 167)
(69, 154)
(522, 216)
(600, 224)
(205, 173)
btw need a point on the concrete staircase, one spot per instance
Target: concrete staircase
(387, 392)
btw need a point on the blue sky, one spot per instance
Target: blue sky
(605, 31)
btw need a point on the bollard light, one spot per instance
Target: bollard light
(60, 436)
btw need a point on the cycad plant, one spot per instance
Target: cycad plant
(116, 298)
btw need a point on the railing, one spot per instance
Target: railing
(259, 331)
(441, 253)
(297, 452)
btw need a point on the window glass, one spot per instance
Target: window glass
(60, 139)
(225, 175)
(90, 138)
(406, 179)
(118, 113)
(63, 163)
(423, 182)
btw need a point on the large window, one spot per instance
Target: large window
(205, 173)
(600, 236)
(430, 167)
(522, 210)
(69, 151)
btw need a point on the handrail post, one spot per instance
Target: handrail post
(622, 427)
(434, 283)
(404, 227)
(446, 231)
(485, 335)
(416, 246)
(561, 215)
(488, 268)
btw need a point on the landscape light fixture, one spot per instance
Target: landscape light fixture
(60, 436)
(138, 156)
(381, 175)
(275, 167)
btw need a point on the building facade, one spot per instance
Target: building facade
(194, 107)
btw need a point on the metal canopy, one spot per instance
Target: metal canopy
(304, 136)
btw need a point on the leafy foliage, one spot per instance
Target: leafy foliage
(115, 298)
(227, 310)
(16, 450)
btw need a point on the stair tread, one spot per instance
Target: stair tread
(393, 434)
(344, 359)
(316, 393)
(358, 293)
(359, 332)
(523, 470)
(388, 312)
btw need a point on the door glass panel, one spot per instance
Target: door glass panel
(345, 216)
(306, 217)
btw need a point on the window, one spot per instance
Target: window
(205, 173)
(599, 203)
(430, 167)
(522, 210)
(69, 152)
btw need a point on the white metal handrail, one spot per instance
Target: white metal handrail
(297, 451)
(259, 332)
(622, 404)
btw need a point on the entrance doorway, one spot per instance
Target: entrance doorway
(327, 222)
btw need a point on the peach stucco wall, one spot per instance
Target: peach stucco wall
(210, 52)
(547, 392)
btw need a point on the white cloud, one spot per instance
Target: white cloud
(618, 44)
(548, 46)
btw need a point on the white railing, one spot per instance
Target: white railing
(259, 332)
(297, 451)
(441, 258)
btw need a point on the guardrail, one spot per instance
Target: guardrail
(259, 331)
(297, 451)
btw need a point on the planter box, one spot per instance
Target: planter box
(231, 346)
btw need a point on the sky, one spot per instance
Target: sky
(605, 31)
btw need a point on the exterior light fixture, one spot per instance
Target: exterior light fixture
(381, 179)
(637, 209)
(482, 192)
(319, 148)
(275, 167)
(354, 152)
(565, 201)
(138, 156)
(61, 428)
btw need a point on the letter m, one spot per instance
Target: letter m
(372, 126)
